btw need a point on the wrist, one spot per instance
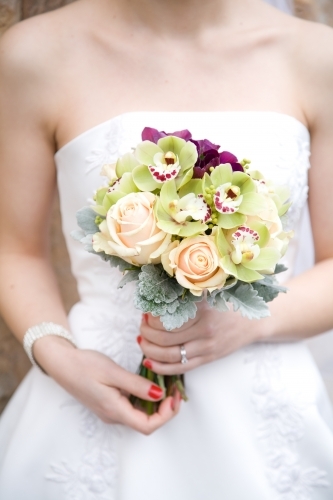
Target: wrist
(50, 351)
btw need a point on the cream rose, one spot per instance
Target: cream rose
(195, 262)
(130, 231)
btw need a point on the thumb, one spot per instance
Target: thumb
(138, 386)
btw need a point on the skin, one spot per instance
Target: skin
(66, 71)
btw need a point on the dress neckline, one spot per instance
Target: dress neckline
(277, 114)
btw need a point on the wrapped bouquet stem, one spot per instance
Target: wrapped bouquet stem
(187, 223)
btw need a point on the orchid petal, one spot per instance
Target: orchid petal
(171, 143)
(125, 164)
(221, 175)
(253, 203)
(143, 179)
(267, 259)
(188, 156)
(228, 221)
(146, 151)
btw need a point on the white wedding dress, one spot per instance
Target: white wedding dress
(258, 425)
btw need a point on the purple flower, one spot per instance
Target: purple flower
(212, 158)
(153, 135)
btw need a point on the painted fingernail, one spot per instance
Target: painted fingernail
(139, 339)
(145, 317)
(148, 364)
(155, 392)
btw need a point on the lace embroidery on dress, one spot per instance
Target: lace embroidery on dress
(115, 144)
(281, 427)
(294, 160)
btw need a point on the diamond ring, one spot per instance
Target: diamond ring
(183, 359)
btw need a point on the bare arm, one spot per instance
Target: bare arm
(28, 291)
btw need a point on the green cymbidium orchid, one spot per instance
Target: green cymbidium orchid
(279, 194)
(184, 216)
(170, 158)
(121, 183)
(246, 251)
(232, 196)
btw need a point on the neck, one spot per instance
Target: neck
(185, 17)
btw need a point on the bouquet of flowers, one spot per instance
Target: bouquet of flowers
(187, 222)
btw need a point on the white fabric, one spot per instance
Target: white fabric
(258, 425)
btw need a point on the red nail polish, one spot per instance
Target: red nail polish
(148, 364)
(139, 339)
(155, 392)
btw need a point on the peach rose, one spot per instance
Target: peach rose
(130, 231)
(195, 262)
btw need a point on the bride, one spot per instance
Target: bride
(77, 87)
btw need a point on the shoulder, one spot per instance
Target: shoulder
(311, 48)
(35, 47)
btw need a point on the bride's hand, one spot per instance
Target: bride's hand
(210, 336)
(102, 385)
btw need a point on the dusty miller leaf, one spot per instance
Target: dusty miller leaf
(156, 285)
(268, 288)
(247, 301)
(131, 275)
(86, 220)
(217, 300)
(280, 268)
(147, 306)
(185, 310)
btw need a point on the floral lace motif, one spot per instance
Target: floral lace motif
(281, 427)
(115, 144)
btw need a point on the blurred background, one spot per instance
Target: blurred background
(13, 362)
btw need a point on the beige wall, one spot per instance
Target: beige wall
(13, 362)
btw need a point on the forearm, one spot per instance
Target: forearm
(29, 293)
(305, 310)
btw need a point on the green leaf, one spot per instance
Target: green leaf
(115, 261)
(217, 300)
(155, 284)
(184, 311)
(86, 220)
(247, 301)
(131, 275)
(269, 288)
(280, 268)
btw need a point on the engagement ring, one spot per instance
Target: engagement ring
(183, 355)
